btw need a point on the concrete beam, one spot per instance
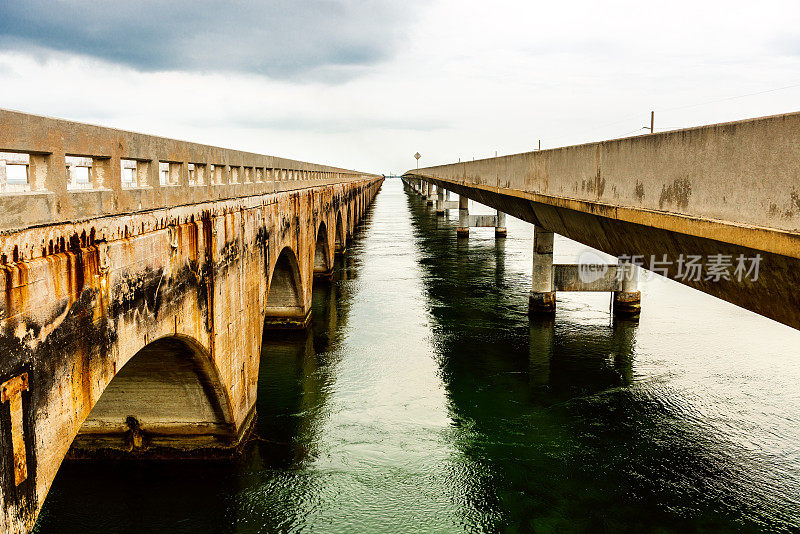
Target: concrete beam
(575, 277)
(482, 221)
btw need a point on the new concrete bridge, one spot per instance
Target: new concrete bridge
(138, 274)
(715, 207)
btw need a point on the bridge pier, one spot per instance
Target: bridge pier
(542, 299)
(628, 300)
(429, 194)
(463, 217)
(500, 225)
(441, 197)
(465, 220)
(619, 279)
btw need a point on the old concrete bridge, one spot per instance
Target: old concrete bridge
(715, 207)
(138, 274)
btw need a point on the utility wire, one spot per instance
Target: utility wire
(730, 98)
(663, 110)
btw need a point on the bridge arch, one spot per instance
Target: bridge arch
(285, 305)
(168, 394)
(323, 266)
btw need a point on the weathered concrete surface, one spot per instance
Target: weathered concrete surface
(48, 142)
(181, 289)
(721, 189)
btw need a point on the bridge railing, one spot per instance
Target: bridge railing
(735, 182)
(53, 170)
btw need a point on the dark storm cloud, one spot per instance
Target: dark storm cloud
(279, 38)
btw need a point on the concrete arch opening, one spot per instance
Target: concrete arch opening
(340, 235)
(285, 307)
(167, 401)
(323, 267)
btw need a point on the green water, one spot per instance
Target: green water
(425, 400)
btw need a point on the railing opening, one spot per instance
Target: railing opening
(169, 173)
(198, 173)
(129, 175)
(163, 173)
(14, 172)
(79, 173)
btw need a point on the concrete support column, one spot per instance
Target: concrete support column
(439, 200)
(628, 300)
(429, 194)
(542, 298)
(500, 225)
(463, 217)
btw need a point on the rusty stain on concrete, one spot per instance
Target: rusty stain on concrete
(795, 200)
(11, 392)
(638, 191)
(676, 193)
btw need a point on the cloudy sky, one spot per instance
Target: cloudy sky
(365, 84)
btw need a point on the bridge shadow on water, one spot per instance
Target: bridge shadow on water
(567, 439)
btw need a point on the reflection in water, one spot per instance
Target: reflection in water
(567, 365)
(571, 438)
(423, 399)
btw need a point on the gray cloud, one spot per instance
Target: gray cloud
(322, 39)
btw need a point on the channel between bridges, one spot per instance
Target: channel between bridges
(138, 274)
(715, 207)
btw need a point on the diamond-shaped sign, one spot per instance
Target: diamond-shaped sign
(417, 155)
